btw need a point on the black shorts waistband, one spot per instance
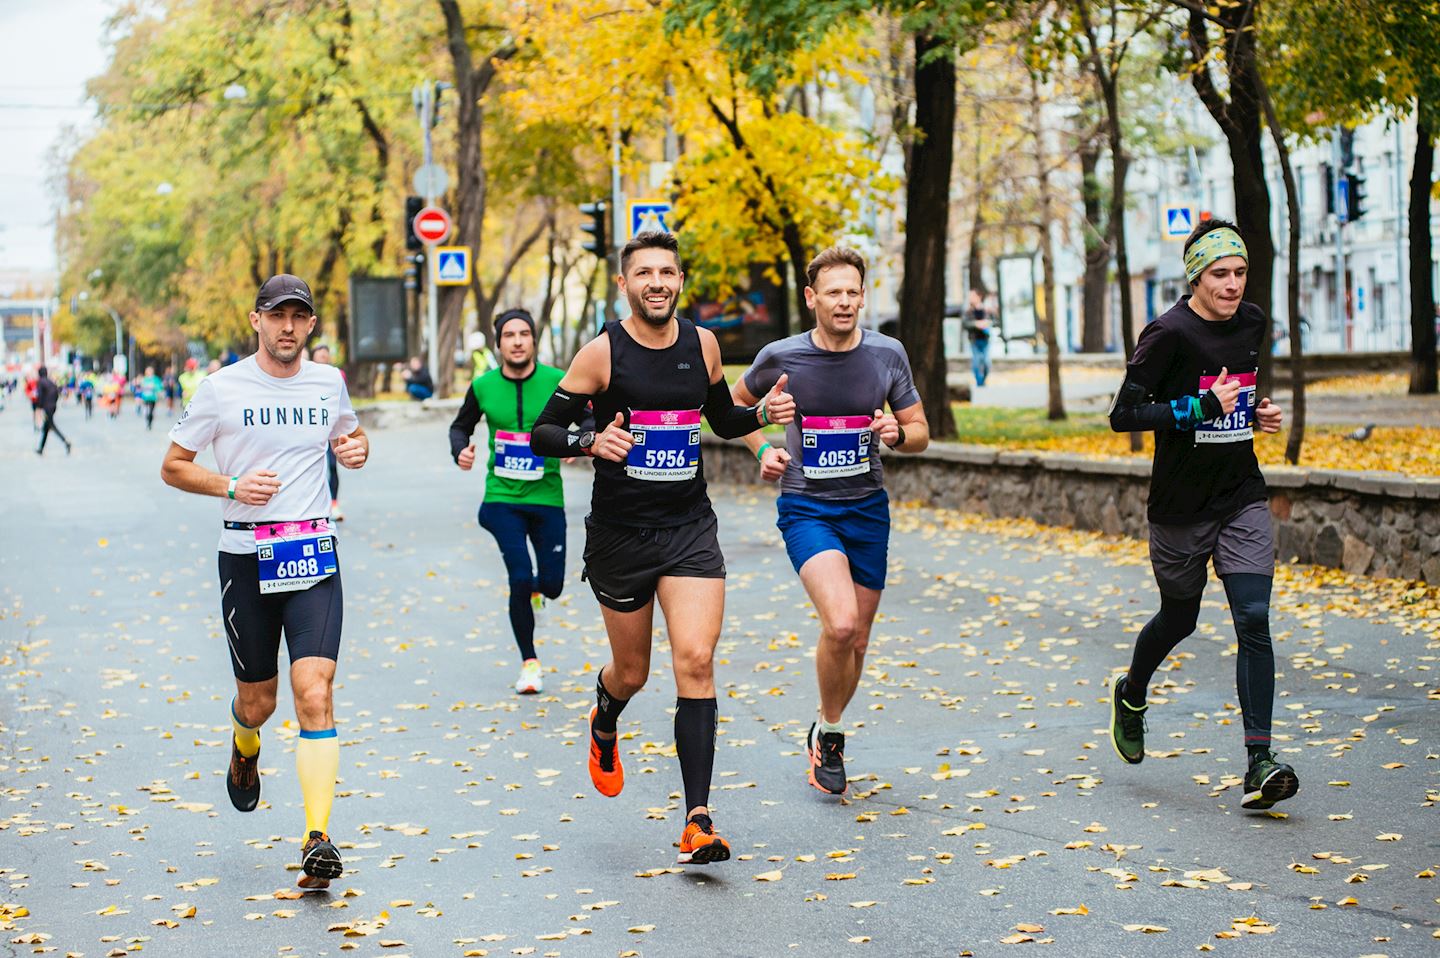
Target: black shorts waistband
(252, 526)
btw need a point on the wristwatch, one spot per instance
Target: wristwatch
(587, 439)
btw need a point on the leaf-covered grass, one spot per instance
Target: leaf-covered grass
(1412, 450)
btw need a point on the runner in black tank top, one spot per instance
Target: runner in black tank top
(651, 531)
(672, 378)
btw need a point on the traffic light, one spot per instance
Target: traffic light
(1328, 173)
(413, 206)
(598, 243)
(1357, 196)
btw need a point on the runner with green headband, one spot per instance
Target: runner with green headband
(1192, 381)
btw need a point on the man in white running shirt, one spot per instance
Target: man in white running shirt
(268, 420)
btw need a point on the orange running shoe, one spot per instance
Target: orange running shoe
(605, 770)
(699, 845)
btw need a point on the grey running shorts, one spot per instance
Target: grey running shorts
(1243, 542)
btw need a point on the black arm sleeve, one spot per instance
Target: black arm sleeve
(551, 435)
(727, 420)
(464, 425)
(1135, 411)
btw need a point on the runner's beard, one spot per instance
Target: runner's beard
(281, 356)
(517, 366)
(638, 307)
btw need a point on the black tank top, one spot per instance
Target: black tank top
(667, 380)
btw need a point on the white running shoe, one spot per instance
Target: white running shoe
(336, 513)
(530, 681)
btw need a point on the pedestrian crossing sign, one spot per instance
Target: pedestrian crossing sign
(648, 216)
(452, 266)
(1179, 221)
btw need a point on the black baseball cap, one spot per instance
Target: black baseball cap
(282, 288)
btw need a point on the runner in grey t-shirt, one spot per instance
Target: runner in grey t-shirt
(837, 460)
(833, 510)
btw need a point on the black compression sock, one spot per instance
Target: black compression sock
(608, 706)
(695, 747)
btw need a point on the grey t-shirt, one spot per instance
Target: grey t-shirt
(831, 448)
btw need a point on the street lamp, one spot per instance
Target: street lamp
(85, 295)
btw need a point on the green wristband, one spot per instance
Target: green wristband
(764, 414)
(234, 481)
(760, 453)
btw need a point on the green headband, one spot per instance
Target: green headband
(1214, 245)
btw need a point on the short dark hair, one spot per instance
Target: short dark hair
(835, 256)
(1207, 226)
(650, 239)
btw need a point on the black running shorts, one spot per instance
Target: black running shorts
(624, 564)
(253, 622)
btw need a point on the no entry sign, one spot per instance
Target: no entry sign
(431, 224)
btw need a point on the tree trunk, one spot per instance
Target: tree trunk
(927, 224)
(1097, 253)
(1119, 169)
(1296, 438)
(471, 83)
(1239, 118)
(1422, 284)
(1047, 324)
(795, 251)
(975, 264)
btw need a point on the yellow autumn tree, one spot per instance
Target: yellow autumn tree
(760, 179)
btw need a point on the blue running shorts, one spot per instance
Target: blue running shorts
(860, 528)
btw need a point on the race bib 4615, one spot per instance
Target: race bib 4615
(1238, 425)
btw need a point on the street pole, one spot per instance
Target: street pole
(49, 345)
(617, 217)
(1342, 214)
(116, 317)
(1401, 298)
(425, 105)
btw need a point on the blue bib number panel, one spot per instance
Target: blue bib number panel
(667, 445)
(1238, 425)
(294, 555)
(833, 447)
(514, 459)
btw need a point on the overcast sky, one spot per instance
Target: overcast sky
(48, 49)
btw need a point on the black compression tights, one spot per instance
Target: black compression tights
(1249, 595)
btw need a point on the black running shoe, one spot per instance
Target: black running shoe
(1127, 724)
(826, 751)
(243, 782)
(320, 861)
(1268, 782)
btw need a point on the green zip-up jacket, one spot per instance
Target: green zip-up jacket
(510, 405)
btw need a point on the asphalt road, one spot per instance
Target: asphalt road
(986, 806)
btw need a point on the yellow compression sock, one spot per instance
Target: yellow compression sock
(317, 761)
(247, 739)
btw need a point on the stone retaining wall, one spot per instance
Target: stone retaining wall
(1376, 523)
(1368, 523)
